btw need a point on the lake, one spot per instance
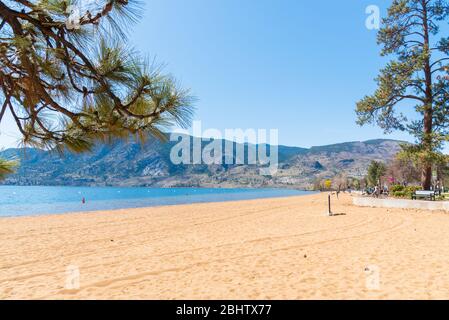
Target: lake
(28, 201)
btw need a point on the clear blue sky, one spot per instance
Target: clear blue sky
(296, 66)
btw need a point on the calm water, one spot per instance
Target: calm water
(25, 201)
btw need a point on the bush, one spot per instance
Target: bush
(399, 194)
(404, 192)
(397, 188)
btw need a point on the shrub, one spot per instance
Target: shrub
(399, 194)
(397, 188)
(404, 192)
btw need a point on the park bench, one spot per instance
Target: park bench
(430, 195)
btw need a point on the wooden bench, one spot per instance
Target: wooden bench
(430, 195)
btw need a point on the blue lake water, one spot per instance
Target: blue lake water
(27, 201)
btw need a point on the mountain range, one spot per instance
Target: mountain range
(132, 163)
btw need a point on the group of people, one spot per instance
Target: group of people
(377, 191)
(438, 188)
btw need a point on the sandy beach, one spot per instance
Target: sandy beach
(261, 249)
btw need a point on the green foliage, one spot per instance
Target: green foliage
(327, 184)
(7, 167)
(422, 157)
(68, 79)
(397, 188)
(376, 171)
(356, 184)
(404, 192)
(399, 194)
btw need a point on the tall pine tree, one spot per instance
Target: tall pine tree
(417, 77)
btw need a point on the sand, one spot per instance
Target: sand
(261, 249)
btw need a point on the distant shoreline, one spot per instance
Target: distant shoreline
(242, 187)
(48, 200)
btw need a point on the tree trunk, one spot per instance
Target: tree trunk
(427, 144)
(428, 108)
(427, 178)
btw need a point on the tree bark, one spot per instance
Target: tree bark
(427, 178)
(428, 108)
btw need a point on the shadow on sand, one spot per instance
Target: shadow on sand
(338, 214)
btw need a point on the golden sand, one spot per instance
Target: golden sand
(260, 249)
